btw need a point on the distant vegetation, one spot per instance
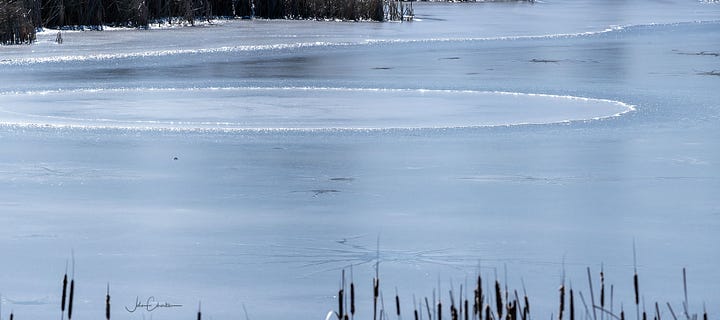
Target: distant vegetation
(19, 19)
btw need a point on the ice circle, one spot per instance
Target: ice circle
(313, 108)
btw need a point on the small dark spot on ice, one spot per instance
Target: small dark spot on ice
(450, 58)
(278, 148)
(473, 73)
(176, 158)
(701, 53)
(381, 68)
(342, 179)
(544, 61)
(710, 73)
(323, 191)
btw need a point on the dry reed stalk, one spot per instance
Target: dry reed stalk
(526, 308)
(467, 313)
(622, 313)
(685, 304)
(636, 283)
(572, 305)
(657, 311)
(612, 292)
(12, 316)
(488, 314)
(592, 294)
(427, 306)
(415, 308)
(671, 311)
(582, 299)
(199, 313)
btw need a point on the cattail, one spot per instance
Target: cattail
(376, 294)
(637, 290)
(70, 301)
(416, 315)
(352, 299)
(562, 302)
(602, 289)
(64, 293)
(498, 300)
(622, 314)
(340, 305)
(477, 304)
(467, 312)
(512, 310)
(572, 305)
(12, 316)
(397, 303)
(439, 310)
(107, 303)
(487, 312)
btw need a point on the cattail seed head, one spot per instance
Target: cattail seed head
(562, 302)
(498, 299)
(70, 301)
(64, 292)
(107, 303)
(352, 298)
(637, 289)
(602, 289)
(397, 304)
(340, 312)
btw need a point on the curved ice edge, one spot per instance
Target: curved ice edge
(286, 46)
(30, 125)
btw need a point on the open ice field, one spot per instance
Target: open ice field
(248, 162)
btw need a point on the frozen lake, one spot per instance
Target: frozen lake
(248, 162)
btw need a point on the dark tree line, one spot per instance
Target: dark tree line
(20, 18)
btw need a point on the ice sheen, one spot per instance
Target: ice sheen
(232, 109)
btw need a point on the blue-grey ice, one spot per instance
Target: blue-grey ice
(248, 162)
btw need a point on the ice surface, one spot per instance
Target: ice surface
(233, 109)
(189, 211)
